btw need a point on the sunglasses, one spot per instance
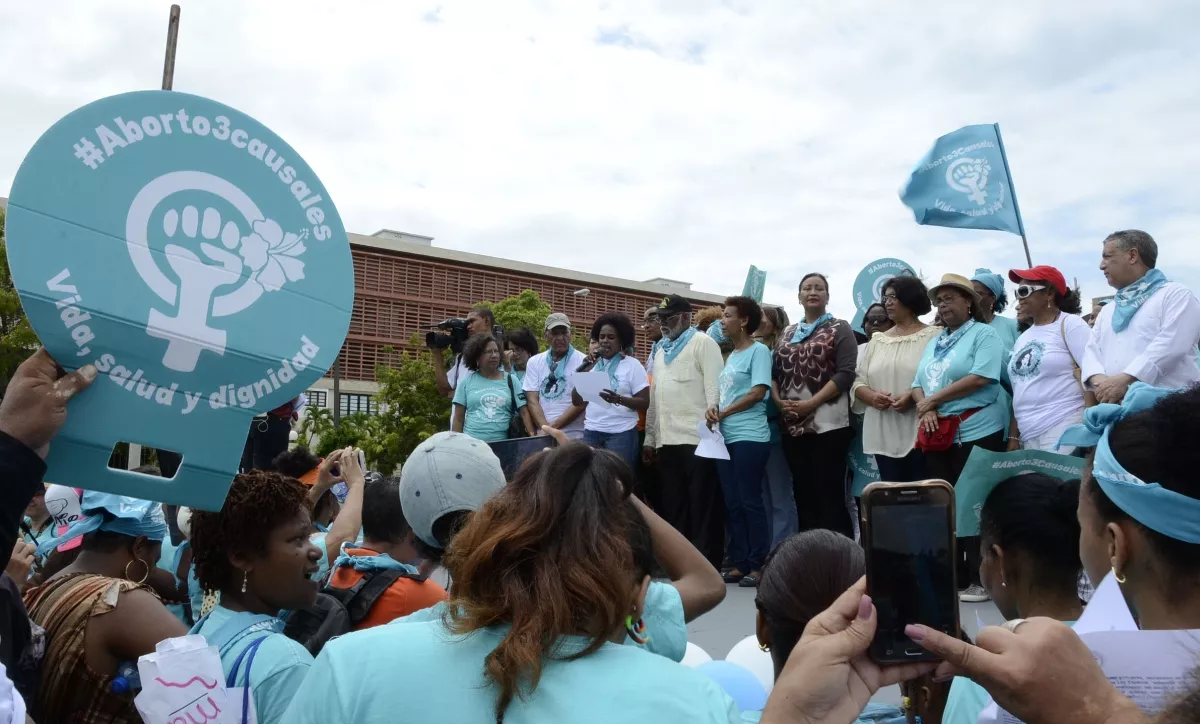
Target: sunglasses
(1025, 290)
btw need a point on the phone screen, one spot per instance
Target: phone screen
(910, 574)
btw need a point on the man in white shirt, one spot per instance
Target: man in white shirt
(550, 379)
(687, 368)
(1149, 331)
(480, 320)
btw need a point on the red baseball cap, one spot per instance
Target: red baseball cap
(1043, 273)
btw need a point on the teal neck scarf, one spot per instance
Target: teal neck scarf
(610, 366)
(556, 381)
(804, 330)
(1130, 298)
(947, 339)
(672, 347)
(378, 562)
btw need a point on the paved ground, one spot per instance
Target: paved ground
(717, 631)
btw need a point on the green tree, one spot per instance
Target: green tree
(529, 310)
(17, 340)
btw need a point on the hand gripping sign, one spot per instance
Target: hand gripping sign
(196, 260)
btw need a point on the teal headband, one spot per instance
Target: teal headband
(991, 280)
(115, 513)
(1161, 510)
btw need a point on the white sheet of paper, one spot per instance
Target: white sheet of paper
(590, 385)
(712, 443)
(1150, 667)
(1106, 611)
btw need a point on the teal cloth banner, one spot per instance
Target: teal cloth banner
(756, 283)
(985, 470)
(196, 260)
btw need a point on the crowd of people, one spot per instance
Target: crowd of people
(572, 585)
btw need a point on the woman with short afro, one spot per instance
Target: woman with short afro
(256, 553)
(612, 421)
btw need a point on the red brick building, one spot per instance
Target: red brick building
(402, 283)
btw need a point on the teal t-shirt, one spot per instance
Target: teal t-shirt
(370, 676)
(1008, 331)
(662, 613)
(489, 406)
(318, 539)
(744, 370)
(978, 352)
(278, 670)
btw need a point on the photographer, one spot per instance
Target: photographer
(480, 320)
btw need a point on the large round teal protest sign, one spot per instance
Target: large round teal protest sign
(868, 285)
(192, 256)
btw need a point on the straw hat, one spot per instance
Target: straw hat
(956, 281)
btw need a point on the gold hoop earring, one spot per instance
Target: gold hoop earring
(764, 648)
(144, 575)
(1118, 576)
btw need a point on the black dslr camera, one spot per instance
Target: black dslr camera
(451, 333)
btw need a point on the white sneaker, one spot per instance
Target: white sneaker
(975, 593)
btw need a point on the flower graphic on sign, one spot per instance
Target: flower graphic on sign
(970, 176)
(258, 256)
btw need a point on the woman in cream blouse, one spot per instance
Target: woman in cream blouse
(882, 390)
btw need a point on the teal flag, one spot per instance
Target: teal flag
(756, 282)
(985, 470)
(868, 285)
(963, 182)
(195, 259)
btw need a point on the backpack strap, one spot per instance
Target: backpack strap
(360, 598)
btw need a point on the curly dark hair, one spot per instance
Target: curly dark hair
(910, 291)
(474, 348)
(619, 322)
(749, 310)
(258, 502)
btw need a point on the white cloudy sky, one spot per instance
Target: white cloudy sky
(677, 138)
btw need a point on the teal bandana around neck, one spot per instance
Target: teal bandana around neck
(610, 366)
(379, 562)
(1130, 298)
(1172, 514)
(947, 339)
(672, 347)
(556, 381)
(805, 330)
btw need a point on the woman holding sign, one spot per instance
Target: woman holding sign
(486, 402)
(959, 400)
(611, 423)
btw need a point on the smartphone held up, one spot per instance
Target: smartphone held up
(909, 536)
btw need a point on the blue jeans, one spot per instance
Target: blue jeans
(778, 498)
(624, 444)
(746, 518)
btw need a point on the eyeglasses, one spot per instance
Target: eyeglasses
(1025, 290)
(890, 298)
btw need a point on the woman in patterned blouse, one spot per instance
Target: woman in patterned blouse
(813, 369)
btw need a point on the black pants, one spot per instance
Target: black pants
(909, 469)
(948, 465)
(690, 499)
(818, 465)
(266, 440)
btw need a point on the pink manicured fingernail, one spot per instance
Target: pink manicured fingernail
(916, 633)
(864, 608)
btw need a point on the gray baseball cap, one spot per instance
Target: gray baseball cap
(447, 473)
(558, 319)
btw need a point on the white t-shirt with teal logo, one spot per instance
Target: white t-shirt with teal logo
(1042, 370)
(489, 406)
(744, 370)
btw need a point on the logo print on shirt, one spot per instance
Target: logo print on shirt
(1027, 363)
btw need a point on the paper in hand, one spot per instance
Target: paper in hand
(712, 442)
